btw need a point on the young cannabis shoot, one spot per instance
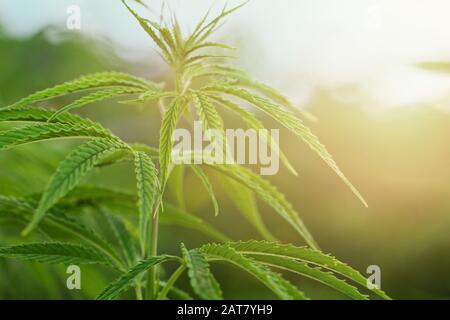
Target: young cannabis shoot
(203, 86)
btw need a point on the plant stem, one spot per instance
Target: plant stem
(152, 278)
(152, 283)
(173, 278)
(139, 293)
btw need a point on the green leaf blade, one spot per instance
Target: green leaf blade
(208, 186)
(168, 127)
(307, 255)
(244, 199)
(255, 124)
(201, 278)
(148, 189)
(292, 123)
(128, 278)
(97, 97)
(87, 82)
(316, 274)
(273, 281)
(40, 132)
(70, 172)
(55, 253)
(175, 216)
(123, 238)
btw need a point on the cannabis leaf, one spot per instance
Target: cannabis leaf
(175, 185)
(281, 287)
(253, 123)
(309, 256)
(96, 97)
(122, 236)
(148, 189)
(80, 162)
(168, 126)
(202, 280)
(87, 82)
(244, 199)
(314, 273)
(128, 278)
(209, 189)
(39, 115)
(288, 120)
(23, 209)
(41, 132)
(203, 85)
(173, 215)
(56, 253)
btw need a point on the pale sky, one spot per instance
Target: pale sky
(296, 45)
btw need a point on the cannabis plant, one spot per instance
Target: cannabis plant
(203, 87)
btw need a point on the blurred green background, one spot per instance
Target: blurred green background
(398, 158)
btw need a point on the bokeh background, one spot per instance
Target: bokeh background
(352, 63)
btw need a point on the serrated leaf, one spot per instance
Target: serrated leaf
(263, 188)
(246, 81)
(269, 278)
(245, 201)
(306, 255)
(123, 237)
(54, 253)
(148, 189)
(175, 216)
(292, 123)
(55, 220)
(253, 123)
(203, 57)
(128, 279)
(99, 194)
(208, 114)
(41, 132)
(269, 194)
(149, 96)
(146, 25)
(201, 278)
(25, 208)
(203, 31)
(43, 115)
(91, 81)
(167, 37)
(211, 120)
(84, 233)
(96, 97)
(70, 172)
(209, 189)
(210, 45)
(176, 185)
(168, 127)
(316, 274)
(177, 33)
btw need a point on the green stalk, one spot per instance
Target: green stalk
(152, 285)
(152, 278)
(171, 281)
(138, 293)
